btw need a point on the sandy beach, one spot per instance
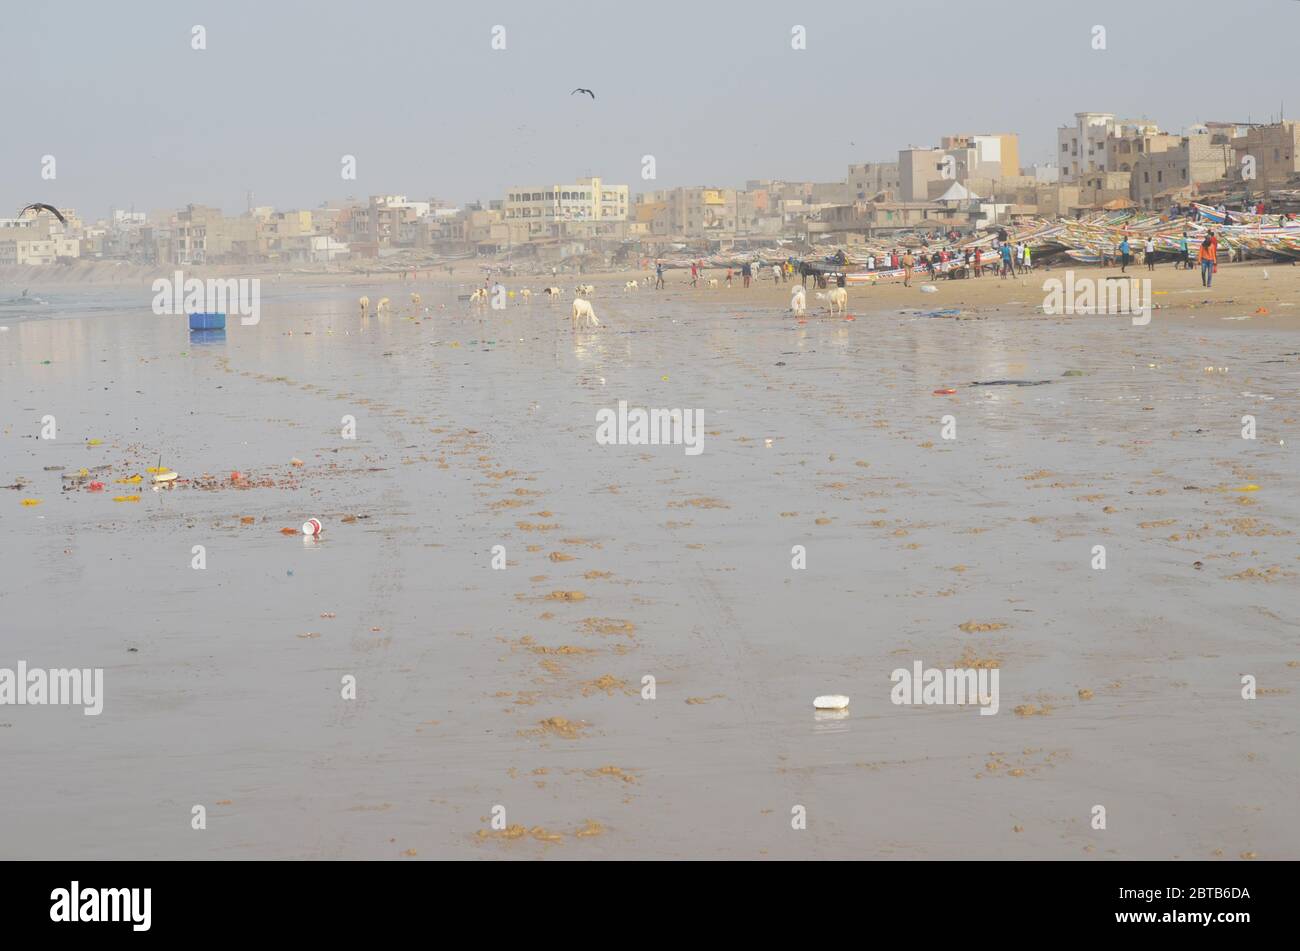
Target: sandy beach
(523, 688)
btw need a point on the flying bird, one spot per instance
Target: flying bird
(41, 206)
(587, 91)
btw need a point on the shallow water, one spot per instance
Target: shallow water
(461, 416)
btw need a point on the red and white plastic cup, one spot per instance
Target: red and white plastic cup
(311, 527)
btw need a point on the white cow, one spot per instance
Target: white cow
(527, 295)
(839, 298)
(382, 307)
(798, 300)
(630, 286)
(479, 296)
(584, 290)
(553, 293)
(365, 305)
(415, 299)
(583, 314)
(713, 282)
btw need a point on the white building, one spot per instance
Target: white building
(588, 199)
(1081, 148)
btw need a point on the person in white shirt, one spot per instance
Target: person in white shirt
(1149, 253)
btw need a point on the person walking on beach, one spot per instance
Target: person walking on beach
(695, 274)
(979, 263)
(1123, 255)
(1186, 262)
(659, 275)
(1008, 262)
(1029, 264)
(1149, 253)
(746, 272)
(728, 277)
(1208, 256)
(908, 261)
(776, 274)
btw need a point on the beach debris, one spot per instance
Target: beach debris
(296, 462)
(1250, 487)
(1072, 373)
(946, 391)
(831, 701)
(126, 498)
(311, 527)
(28, 503)
(929, 289)
(1010, 382)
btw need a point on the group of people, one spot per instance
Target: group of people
(1009, 259)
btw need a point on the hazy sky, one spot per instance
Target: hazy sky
(412, 88)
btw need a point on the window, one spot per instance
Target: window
(1146, 176)
(1160, 176)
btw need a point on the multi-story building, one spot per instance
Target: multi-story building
(1196, 158)
(1081, 148)
(1275, 149)
(543, 207)
(872, 179)
(996, 154)
(917, 168)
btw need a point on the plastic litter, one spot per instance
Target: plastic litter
(833, 701)
(311, 527)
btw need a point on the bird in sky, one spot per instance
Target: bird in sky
(41, 206)
(587, 91)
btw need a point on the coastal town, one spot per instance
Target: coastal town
(1107, 170)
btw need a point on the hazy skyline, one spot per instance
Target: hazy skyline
(136, 118)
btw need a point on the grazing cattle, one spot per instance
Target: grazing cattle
(713, 282)
(798, 301)
(365, 305)
(527, 295)
(479, 296)
(583, 314)
(415, 299)
(630, 286)
(839, 298)
(553, 293)
(382, 306)
(584, 290)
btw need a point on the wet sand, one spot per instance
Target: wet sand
(479, 687)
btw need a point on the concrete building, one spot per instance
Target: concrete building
(1275, 149)
(540, 207)
(916, 169)
(1081, 147)
(872, 179)
(1158, 175)
(996, 154)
